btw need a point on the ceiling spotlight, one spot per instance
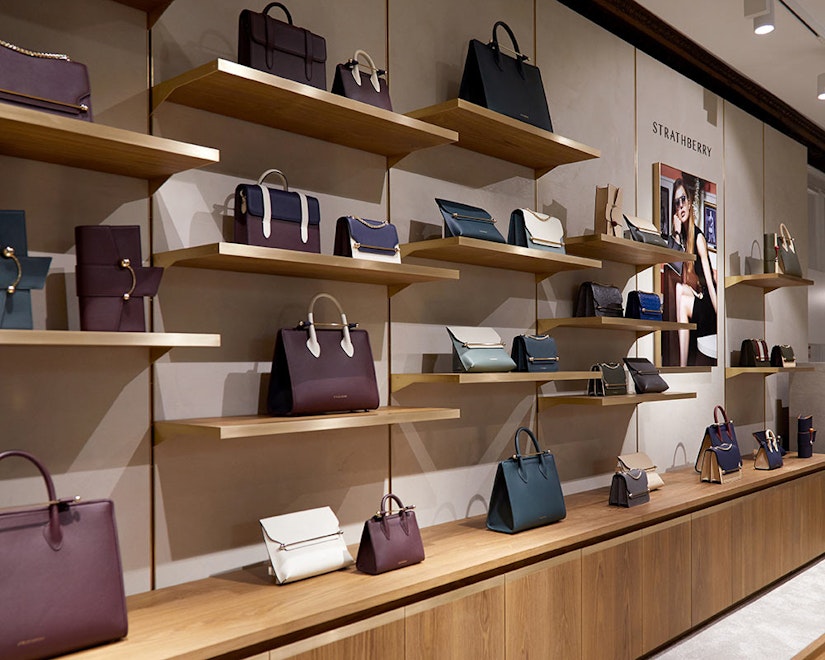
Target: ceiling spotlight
(762, 13)
(820, 87)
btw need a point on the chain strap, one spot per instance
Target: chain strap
(34, 53)
(383, 223)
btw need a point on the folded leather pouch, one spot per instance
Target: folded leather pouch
(535, 230)
(721, 464)
(641, 461)
(645, 375)
(805, 436)
(111, 282)
(322, 367)
(44, 81)
(644, 306)
(478, 350)
(289, 51)
(470, 221)
(304, 544)
(609, 218)
(351, 81)
(276, 218)
(535, 353)
(629, 488)
(783, 356)
(390, 540)
(718, 433)
(769, 454)
(613, 381)
(786, 253)
(19, 273)
(754, 353)
(505, 84)
(376, 240)
(643, 231)
(63, 587)
(526, 490)
(596, 299)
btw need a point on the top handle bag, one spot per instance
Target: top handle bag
(353, 82)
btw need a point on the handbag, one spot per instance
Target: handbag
(62, 580)
(629, 488)
(644, 306)
(304, 544)
(641, 461)
(276, 218)
(596, 299)
(478, 350)
(805, 436)
(376, 240)
(44, 81)
(535, 353)
(754, 353)
(539, 231)
(609, 217)
(721, 464)
(644, 231)
(289, 51)
(718, 433)
(769, 454)
(526, 491)
(783, 356)
(611, 382)
(19, 273)
(645, 376)
(390, 540)
(351, 81)
(504, 84)
(111, 280)
(470, 221)
(322, 367)
(754, 265)
(786, 253)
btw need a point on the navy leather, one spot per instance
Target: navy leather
(470, 221)
(285, 215)
(16, 308)
(535, 353)
(643, 305)
(768, 453)
(805, 436)
(374, 237)
(717, 434)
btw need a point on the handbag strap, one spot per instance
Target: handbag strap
(520, 57)
(55, 535)
(265, 12)
(724, 415)
(772, 442)
(355, 68)
(312, 342)
(787, 239)
(267, 205)
(34, 53)
(518, 456)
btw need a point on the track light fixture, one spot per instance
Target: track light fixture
(762, 13)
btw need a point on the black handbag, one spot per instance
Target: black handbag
(643, 231)
(754, 353)
(470, 221)
(783, 356)
(535, 353)
(645, 376)
(612, 381)
(596, 299)
(644, 306)
(629, 488)
(505, 84)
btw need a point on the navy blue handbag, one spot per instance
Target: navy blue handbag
(535, 353)
(769, 454)
(644, 306)
(19, 273)
(470, 221)
(721, 463)
(376, 240)
(718, 434)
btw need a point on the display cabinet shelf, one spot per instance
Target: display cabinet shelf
(638, 326)
(27, 133)
(767, 281)
(477, 252)
(623, 250)
(252, 426)
(233, 90)
(546, 402)
(153, 8)
(491, 133)
(400, 381)
(733, 372)
(274, 261)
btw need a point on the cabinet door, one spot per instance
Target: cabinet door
(807, 506)
(765, 528)
(543, 618)
(467, 623)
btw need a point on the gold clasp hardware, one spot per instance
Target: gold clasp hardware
(394, 250)
(8, 253)
(491, 221)
(126, 263)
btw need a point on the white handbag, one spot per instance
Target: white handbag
(535, 230)
(304, 544)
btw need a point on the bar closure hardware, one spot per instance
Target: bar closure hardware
(542, 359)
(126, 263)
(394, 250)
(545, 241)
(327, 326)
(490, 221)
(478, 344)
(8, 253)
(288, 546)
(81, 108)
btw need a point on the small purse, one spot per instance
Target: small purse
(478, 350)
(390, 540)
(19, 273)
(644, 231)
(721, 464)
(609, 217)
(269, 217)
(612, 381)
(470, 221)
(596, 299)
(644, 306)
(629, 488)
(304, 544)
(717, 434)
(645, 376)
(535, 353)
(769, 454)
(783, 356)
(805, 436)
(526, 491)
(641, 461)
(786, 253)
(351, 81)
(539, 231)
(754, 353)
(376, 240)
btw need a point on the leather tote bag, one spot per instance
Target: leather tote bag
(367, 84)
(629, 488)
(754, 353)
(375, 240)
(322, 367)
(268, 44)
(19, 273)
(535, 353)
(478, 350)
(644, 231)
(641, 461)
(505, 84)
(786, 252)
(596, 299)
(526, 491)
(644, 306)
(645, 375)
(609, 218)
(390, 540)
(269, 217)
(470, 221)
(716, 434)
(62, 585)
(769, 453)
(538, 231)
(805, 436)
(611, 381)
(783, 356)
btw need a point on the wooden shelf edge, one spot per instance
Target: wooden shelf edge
(400, 381)
(623, 250)
(733, 372)
(611, 323)
(768, 281)
(546, 402)
(83, 338)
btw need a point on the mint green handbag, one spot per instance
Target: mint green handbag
(478, 350)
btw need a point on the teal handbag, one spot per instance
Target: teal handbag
(478, 350)
(526, 491)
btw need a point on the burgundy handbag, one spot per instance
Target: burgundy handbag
(111, 282)
(351, 81)
(62, 581)
(390, 540)
(45, 81)
(322, 367)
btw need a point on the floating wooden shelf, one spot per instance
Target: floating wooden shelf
(273, 261)
(497, 135)
(27, 133)
(618, 400)
(611, 323)
(733, 372)
(400, 381)
(252, 426)
(767, 281)
(459, 249)
(623, 250)
(229, 89)
(153, 8)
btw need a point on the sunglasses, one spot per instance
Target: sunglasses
(681, 201)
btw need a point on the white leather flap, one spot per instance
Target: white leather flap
(300, 526)
(644, 225)
(473, 336)
(546, 228)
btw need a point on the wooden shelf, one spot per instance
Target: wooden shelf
(459, 249)
(767, 281)
(229, 89)
(497, 135)
(611, 323)
(617, 400)
(153, 8)
(733, 372)
(252, 426)
(400, 381)
(623, 250)
(27, 133)
(273, 261)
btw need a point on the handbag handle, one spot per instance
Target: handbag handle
(519, 457)
(265, 12)
(8, 253)
(312, 343)
(496, 47)
(787, 239)
(274, 171)
(355, 69)
(724, 415)
(402, 518)
(266, 219)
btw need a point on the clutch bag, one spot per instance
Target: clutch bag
(376, 240)
(535, 353)
(539, 231)
(645, 376)
(596, 299)
(644, 306)
(470, 221)
(644, 231)
(478, 350)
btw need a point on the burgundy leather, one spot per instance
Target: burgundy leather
(285, 216)
(345, 85)
(390, 540)
(61, 586)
